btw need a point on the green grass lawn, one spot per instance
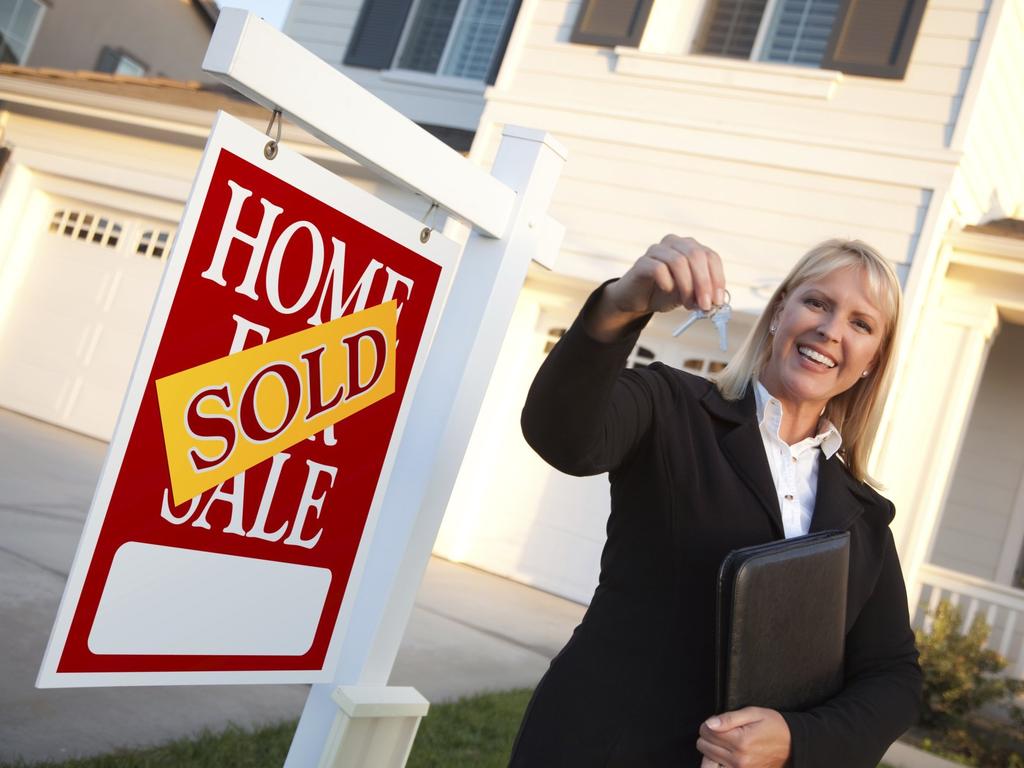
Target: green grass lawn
(472, 732)
(475, 732)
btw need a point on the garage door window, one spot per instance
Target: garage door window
(639, 357)
(82, 225)
(154, 242)
(703, 366)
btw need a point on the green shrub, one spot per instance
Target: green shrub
(960, 676)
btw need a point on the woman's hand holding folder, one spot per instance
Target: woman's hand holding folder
(752, 737)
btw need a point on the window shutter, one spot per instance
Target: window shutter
(611, 22)
(376, 34)
(730, 27)
(499, 51)
(874, 37)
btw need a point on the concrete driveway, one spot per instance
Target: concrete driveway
(470, 631)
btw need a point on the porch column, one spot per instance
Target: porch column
(945, 363)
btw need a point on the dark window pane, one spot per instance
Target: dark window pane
(475, 39)
(730, 27)
(611, 22)
(377, 31)
(427, 35)
(800, 31)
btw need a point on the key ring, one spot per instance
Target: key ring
(700, 314)
(718, 307)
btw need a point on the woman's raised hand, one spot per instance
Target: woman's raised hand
(676, 272)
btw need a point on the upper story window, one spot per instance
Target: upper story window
(788, 31)
(861, 37)
(117, 61)
(19, 20)
(453, 38)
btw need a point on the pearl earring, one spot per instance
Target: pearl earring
(865, 374)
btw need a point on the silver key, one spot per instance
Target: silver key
(720, 317)
(697, 314)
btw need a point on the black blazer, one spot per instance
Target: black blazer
(689, 482)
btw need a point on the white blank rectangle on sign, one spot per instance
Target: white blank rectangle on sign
(166, 600)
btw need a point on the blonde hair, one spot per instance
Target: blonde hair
(857, 411)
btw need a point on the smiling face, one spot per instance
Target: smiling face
(828, 332)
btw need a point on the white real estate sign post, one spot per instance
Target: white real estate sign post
(355, 718)
(508, 210)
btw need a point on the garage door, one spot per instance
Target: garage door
(69, 339)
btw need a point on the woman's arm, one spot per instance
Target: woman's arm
(583, 415)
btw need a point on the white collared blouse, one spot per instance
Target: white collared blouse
(794, 467)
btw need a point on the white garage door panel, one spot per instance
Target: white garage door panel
(68, 344)
(26, 385)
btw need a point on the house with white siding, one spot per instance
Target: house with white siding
(760, 127)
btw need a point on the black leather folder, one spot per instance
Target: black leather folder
(781, 623)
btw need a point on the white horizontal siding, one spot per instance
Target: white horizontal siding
(678, 207)
(990, 182)
(650, 98)
(593, 160)
(113, 150)
(323, 26)
(955, 23)
(916, 111)
(558, 15)
(935, 78)
(771, 241)
(804, 151)
(721, 185)
(616, 197)
(959, 5)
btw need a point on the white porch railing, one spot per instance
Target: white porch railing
(1002, 607)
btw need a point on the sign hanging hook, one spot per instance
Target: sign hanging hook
(270, 150)
(425, 233)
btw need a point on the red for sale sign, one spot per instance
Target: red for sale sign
(256, 437)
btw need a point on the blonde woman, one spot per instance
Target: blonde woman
(775, 448)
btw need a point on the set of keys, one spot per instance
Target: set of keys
(718, 314)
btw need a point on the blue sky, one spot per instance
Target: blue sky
(273, 11)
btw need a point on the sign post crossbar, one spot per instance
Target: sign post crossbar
(258, 61)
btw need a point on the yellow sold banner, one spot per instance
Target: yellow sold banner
(229, 414)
